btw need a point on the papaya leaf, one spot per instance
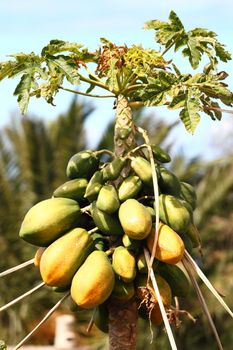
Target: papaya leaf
(190, 113)
(66, 66)
(58, 46)
(27, 82)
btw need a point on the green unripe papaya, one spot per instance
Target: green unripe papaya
(101, 317)
(142, 168)
(122, 291)
(49, 219)
(135, 219)
(94, 281)
(64, 256)
(160, 155)
(152, 212)
(187, 242)
(194, 235)
(112, 170)
(176, 279)
(82, 164)
(130, 243)
(60, 289)
(124, 264)
(168, 182)
(73, 189)
(94, 186)
(107, 199)
(142, 265)
(173, 213)
(108, 224)
(98, 241)
(129, 188)
(189, 194)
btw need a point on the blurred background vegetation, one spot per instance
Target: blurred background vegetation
(33, 158)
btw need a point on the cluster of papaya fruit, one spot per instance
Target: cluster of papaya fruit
(92, 232)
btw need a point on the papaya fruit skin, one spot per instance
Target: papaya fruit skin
(82, 164)
(135, 219)
(173, 213)
(112, 170)
(73, 189)
(94, 281)
(94, 186)
(101, 318)
(168, 182)
(108, 224)
(38, 256)
(129, 188)
(170, 247)
(122, 291)
(64, 256)
(188, 193)
(176, 279)
(142, 168)
(124, 264)
(160, 155)
(107, 199)
(194, 235)
(142, 265)
(49, 219)
(143, 289)
(131, 244)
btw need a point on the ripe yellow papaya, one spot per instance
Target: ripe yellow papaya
(82, 164)
(73, 189)
(64, 256)
(124, 264)
(129, 188)
(94, 281)
(107, 199)
(176, 279)
(38, 256)
(122, 291)
(170, 247)
(49, 219)
(173, 213)
(135, 219)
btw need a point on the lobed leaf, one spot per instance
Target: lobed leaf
(58, 46)
(190, 113)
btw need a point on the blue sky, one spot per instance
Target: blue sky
(28, 26)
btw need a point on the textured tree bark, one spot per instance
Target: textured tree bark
(123, 317)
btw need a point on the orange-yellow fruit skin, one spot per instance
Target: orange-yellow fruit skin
(94, 281)
(38, 255)
(170, 247)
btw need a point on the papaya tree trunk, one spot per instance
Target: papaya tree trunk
(123, 317)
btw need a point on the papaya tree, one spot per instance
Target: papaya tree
(131, 216)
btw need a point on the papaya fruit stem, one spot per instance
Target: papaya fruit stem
(105, 151)
(90, 325)
(204, 306)
(158, 296)
(93, 230)
(51, 311)
(207, 282)
(145, 136)
(21, 297)
(85, 209)
(17, 267)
